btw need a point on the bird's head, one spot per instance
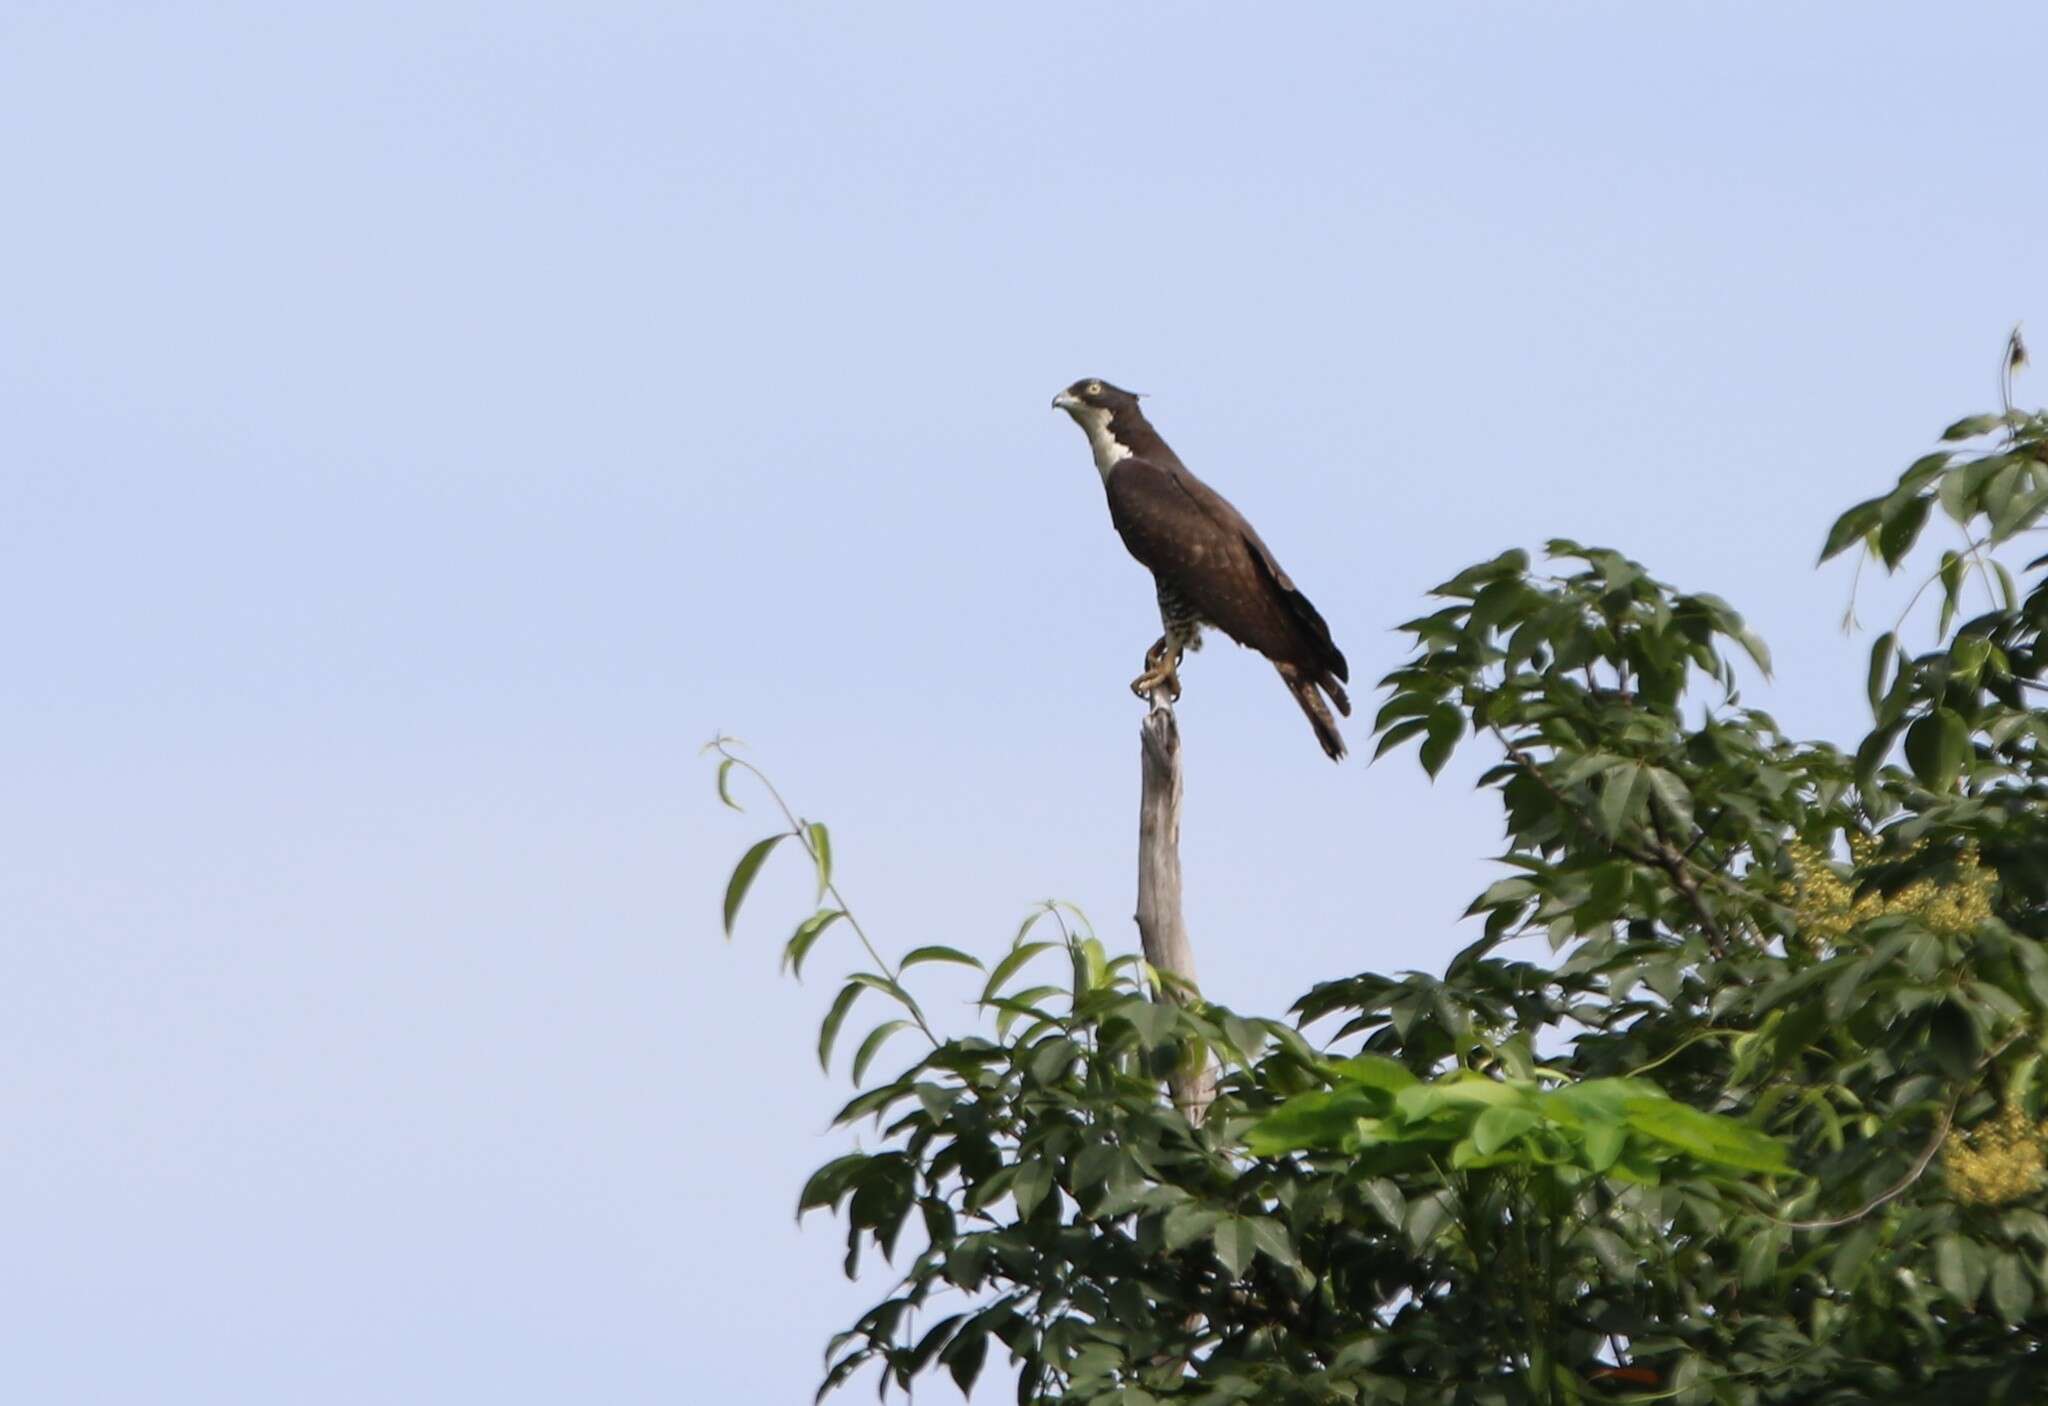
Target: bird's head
(1109, 414)
(1094, 394)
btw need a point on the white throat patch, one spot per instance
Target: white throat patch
(1108, 450)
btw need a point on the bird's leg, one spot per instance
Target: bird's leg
(1162, 670)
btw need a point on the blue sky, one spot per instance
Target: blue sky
(422, 426)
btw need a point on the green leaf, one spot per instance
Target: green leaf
(1360, 1351)
(1374, 1071)
(1513, 562)
(1603, 1143)
(1243, 1038)
(1156, 1021)
(831, 1181)
(1753, 645)
(1396, 735)
(1310, 1120)
(1891, 708)
(1706, 1136)
(1500, 602)
(1050, 1058)
(1968, 657)
(1762, 1248)
(1956, 491)
(1674, 799)
(1426, 1216)
(2019, 512)
(1236, 1243)
(1970, 426)
(1952, 1035)
(2011, 1293)
(806, 936)
(1936, 747)
(1495, 1128)
(937, 954)
(1094, 1164)
(1601, 1100)
(964, 1355)
(1402, 705)
(1273, 1241)
(871, 1046)
(743, 877)
(1852, 1254)
(1008, 967)
(724, 782)
(1846, 988)
(892, 989)
(1951, 590)
(936, 1337)
(1033, 1181)
(1586, 766)
(2001, 491)
(1616, 1256)
(1880, 661)
(1465, 1153)
(1446, 726)
(1872, 751)
(1462, 1090)
(1901, 529)
(874, 1102)
(1621, 796)
(1023, 1003)
(1090, 963)
(2019, 1080)
(1384, 1196)
(821, 855)
(1852, 527)
(834, 1018)
(1925, 469)
(938, 1099)
(1188, 1222)
(1952, 1256)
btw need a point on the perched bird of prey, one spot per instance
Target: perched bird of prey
(1208, 564)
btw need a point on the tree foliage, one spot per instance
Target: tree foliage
(1763, 1127)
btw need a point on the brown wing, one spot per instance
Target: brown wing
(1195, 541)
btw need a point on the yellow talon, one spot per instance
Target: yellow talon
(1161, 672)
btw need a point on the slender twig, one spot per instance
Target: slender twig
(1052, 906)
(1855, 580)
(1972, 545)
(1983, 566)
(802, 834)
(1706, 830)
(2014, 358)
(1675, 864)
(1927, 1153)
(1680, 1048)
(1905, 1183)
(1691, 866)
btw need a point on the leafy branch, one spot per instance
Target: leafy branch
(1437, 1213)
(816, 842)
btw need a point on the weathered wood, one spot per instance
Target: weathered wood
(1161, 929)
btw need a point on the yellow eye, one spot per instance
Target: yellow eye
(1095, 388)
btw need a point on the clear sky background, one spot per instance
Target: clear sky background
(422, 425)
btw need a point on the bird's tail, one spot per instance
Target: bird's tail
(1309, 693)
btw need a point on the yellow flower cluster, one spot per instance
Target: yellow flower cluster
(2003, 1160)
(1827, 906)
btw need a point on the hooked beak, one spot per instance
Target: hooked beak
(1065, 401)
